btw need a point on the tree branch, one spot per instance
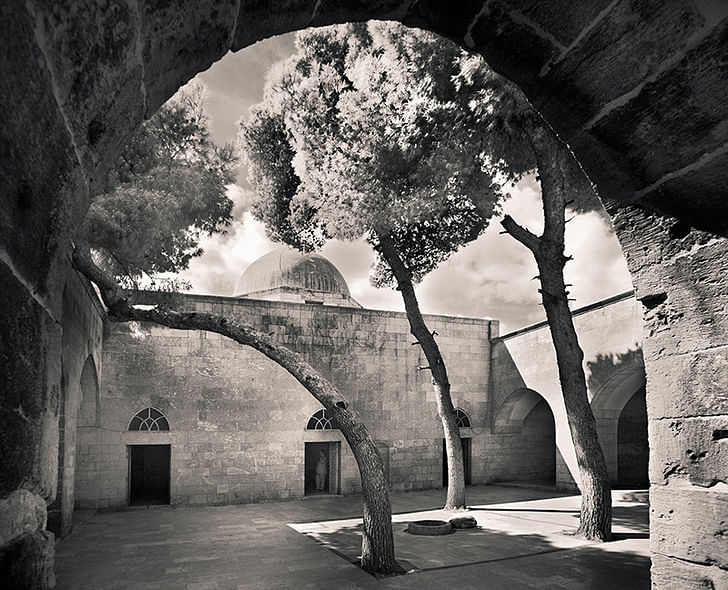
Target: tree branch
(520, 233)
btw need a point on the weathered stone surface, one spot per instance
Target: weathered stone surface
(698, 382)
(34, 164)
(91, 49)
(497, 31)
(690, 524)
(564, 25)
(27, 562)
(708, 180)
(21, 512)
(180, 39)
(690, 449)
(674, 574)
(612, 58)
(257, 20)
(694, 283)
(30, 380)
(681, 102)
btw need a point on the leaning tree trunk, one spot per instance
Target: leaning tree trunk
(553, 159)
(377, 541)
(425, 338)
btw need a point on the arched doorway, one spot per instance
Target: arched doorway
(622, 429)
(149, 463)
(322, 456)
(463, 421)
(633, 450)
(538, 434)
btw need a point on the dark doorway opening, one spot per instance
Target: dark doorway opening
(149, 474)
(633, 450)
(538, 440)
(322, 468)
(466, 461)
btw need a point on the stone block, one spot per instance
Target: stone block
(609, 61)
(30, 374)
(689, 523)
(691, 125)
(27, 562)
(20, 513)
(37, 156)
(692, 449)
(675, 574)
(92, 51)
(693, 384)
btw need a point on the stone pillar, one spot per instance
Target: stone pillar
(30, 378)
(682, 282)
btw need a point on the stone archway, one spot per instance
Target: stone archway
(526, 424)
(632, 444)
(608, 403)
(637, 89)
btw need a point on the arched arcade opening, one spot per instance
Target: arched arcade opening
(525, 435)
(653, 141)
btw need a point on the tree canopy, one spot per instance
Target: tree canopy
(378, 130)
(167, 189)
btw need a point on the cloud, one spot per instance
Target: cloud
(493, 276)
(227, 255)
(236, 82)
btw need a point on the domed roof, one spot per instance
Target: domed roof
(288, 270)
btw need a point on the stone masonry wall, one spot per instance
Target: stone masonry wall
(237, 420)
(609, 334)
(83, 317)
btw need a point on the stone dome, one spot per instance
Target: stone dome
(285, 274)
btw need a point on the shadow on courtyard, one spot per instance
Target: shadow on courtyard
(520, 543)
(524, 544)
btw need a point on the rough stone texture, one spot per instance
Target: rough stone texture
(27, 562)
(31, 389)
(91, 52)
(668, 572)
(34, 165)
(701, 513)
(180, 39)
(21, 512)
(610, 60)
(681, 280)
(694, 449)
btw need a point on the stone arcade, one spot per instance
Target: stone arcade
(637, 88)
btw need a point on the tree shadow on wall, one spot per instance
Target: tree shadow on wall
(605, 366)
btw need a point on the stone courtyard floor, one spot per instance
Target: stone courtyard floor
(519, 543)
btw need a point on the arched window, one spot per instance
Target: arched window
(149, 419)
(321, 421)
(462, 419)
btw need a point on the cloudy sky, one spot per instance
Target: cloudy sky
(491, 277)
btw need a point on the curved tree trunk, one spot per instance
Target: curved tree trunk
(377, 541)
(425, 338)
(554, 160)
